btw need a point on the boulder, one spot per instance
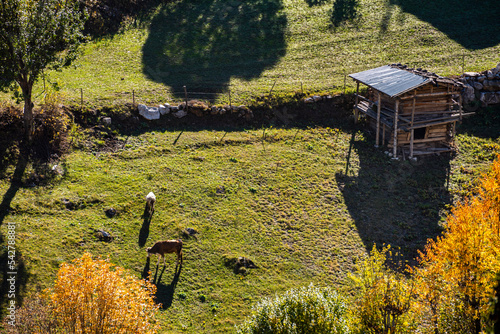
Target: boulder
(471, 74)
(103, 235)
(481, 78)
(148, 113)
(110, 213)
(180, 113)
(317, 98)
(489, 98)
(468, 94)
(478, 86)
(491, 85)
(164, 108)
(490, 75)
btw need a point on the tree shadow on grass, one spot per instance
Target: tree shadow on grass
(394, 202)
(15, 185)
(204, 45)
(14, 277)
(472, 24)
(344, 11)
(484, 124)
(312, 3)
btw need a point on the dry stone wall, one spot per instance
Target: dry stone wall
(482, 86)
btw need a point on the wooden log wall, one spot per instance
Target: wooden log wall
(430, 110)
(429, 100)
(437, 134)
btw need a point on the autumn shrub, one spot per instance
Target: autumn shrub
(33, 316)
(384, 298)
(11, 130)
(308, 310)
(51, 127)
(457, 271)
(495, 308)
(95, 296)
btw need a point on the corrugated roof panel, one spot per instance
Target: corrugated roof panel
(389, 80)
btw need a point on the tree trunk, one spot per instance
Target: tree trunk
(29, 123)
(28, 120)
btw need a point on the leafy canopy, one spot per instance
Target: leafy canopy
(37, 34)
(304, 310)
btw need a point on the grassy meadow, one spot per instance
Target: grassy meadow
(303, 201)
(250, 47)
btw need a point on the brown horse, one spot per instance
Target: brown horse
(161, 248)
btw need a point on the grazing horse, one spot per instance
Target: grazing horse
(150, 204)
(161, 248)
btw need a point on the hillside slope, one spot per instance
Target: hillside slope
(249, 47)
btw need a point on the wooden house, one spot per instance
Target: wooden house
(413, 111)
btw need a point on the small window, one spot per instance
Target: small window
(419, 133)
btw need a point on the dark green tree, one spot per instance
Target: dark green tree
(35, 35)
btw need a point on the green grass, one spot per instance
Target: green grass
(247, 48)
(303, 203)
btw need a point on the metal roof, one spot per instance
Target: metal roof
(389, 80)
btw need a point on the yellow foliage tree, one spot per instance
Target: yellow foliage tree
(384, 298)
(462, 263)
(95, 296)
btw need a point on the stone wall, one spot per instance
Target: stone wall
(483, 86)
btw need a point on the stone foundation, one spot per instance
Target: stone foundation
(483, 86)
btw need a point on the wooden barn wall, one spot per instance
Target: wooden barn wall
(433, 134)
(424, 104)
(427, 104)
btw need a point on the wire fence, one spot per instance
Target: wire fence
(333, 80)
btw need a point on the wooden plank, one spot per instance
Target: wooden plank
(379, 108)
(356, 103)
(460, 106)
(420, 141)
(412, 135)
(427, 95)
(361, 97)
(396, 108)
(432, 123)
(433, 152)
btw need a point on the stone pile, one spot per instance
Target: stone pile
(197, 108)
(483, 86)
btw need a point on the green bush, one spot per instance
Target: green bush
(308, 310)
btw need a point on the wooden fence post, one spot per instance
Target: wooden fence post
(379, 109)
(412, 134)
(356, 103)
(272, 87)
(186, 96)
(395, 138)
(345, 78)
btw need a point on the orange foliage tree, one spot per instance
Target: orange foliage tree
(95, 296)
(458, 269)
